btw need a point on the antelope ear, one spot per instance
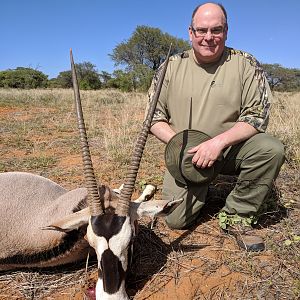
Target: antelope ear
(147, 194)
(70, 222)
(156, 208)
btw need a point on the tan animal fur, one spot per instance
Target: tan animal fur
(30, 203)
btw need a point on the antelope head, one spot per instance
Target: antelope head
(110, 230)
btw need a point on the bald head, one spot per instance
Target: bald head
(209, 8)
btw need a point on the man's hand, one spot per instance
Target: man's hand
(206, 153)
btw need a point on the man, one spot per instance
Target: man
(224, 94)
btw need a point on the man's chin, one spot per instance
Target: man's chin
(208, 51)
(206, 54)
(208, 57)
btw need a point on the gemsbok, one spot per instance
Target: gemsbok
(43, 225)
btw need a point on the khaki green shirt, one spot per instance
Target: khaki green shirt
(234, 89)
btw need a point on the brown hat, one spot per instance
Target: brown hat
(179, 162)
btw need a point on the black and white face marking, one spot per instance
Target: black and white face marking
(110, 236)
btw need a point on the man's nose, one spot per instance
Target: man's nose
(208, 35)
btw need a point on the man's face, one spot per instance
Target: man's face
(208, 33)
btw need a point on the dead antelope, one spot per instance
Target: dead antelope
(30, 203)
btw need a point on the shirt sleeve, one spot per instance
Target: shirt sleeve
(161, 111)
(256, 95)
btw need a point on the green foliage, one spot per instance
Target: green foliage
(142, 77)
(142, 184)
(121, 80)
(282, 79)
(23, 78)
(63, 80)
(293, 240)
(87, 75)
(142, 54)
(138, 79)
(231, 220)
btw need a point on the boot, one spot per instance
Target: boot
(245, 237)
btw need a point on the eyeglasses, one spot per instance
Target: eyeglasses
(201, 32)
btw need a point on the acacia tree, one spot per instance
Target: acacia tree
(143, 53)
(147, 46)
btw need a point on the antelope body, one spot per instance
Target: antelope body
(43, 225)
(30, 203)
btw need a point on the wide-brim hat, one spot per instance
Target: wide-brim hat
(179, 162)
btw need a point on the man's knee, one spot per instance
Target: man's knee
(269, 147)
(175, 223)
(185, 214)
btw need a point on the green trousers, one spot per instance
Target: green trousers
(256, 162)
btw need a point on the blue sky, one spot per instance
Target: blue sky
(39, 33)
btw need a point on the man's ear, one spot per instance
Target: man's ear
(70, 222)
(155, 208)
(226, 32)
(190, 33)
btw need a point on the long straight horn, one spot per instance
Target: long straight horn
(126, 192)
(94, 202)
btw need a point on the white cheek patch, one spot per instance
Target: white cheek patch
(101, 246)
(119, 243)
(99, 243)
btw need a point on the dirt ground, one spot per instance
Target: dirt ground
(199, 263)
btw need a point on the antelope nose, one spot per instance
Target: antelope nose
(91, 293)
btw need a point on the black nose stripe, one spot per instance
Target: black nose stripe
(112, 273)
(107, 225)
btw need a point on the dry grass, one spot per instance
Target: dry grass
(38, 134)
(286, 126)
